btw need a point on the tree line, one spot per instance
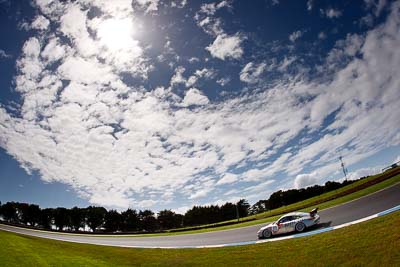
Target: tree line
(283, 198)
(98, 219)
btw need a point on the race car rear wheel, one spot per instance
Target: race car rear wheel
(300, 227)
(266, 233)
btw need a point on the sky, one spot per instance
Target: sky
(153, 104)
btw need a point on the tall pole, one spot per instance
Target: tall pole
(343, 167)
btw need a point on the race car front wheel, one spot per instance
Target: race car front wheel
(300, 227)
(266, 233)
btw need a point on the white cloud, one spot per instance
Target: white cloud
(275, 2)
(89, 71)
(295, 35)
(40, 23)
(310, 4)
(376, 5)
(114, 31)
(252, 72)
(31, 48)
(194, 97)
(211, 8)
(73, 24)
(146, 203)
(255, 175)
(367, 20)
(261, 187)
(344, 50)
(286, 62)
(181, 210)
(223, 81)
(200, 193)
(206, 19)
(225, 47)
(331, 13)
(79, 93)
(168, 47)
(119, 144)
(179, 4)
(194, 59)
(54, 50)
(363, 172)
(204, 73)
(149, 5)
(178, 78)
(307, 179)
(29, 65)
(228, 178)
(322, 36)
(3, 54)
(211, 26)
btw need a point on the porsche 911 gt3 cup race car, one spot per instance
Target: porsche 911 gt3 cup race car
(291, 222)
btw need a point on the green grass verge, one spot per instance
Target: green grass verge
(372, 243)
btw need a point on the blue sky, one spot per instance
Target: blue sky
(168, 104)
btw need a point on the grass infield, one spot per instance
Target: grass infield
(372, 243)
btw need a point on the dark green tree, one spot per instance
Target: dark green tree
(243, 207)
(113, 221)
(9, 212)
(147, 220)
(77, 216)
(228, 211)
(199, 215)
(22, 212)
(95, 217)
(330, 186)
(29, 213)
(130, 220)
(168, 219)
(61, 218)
(178, 220)
(46, 218)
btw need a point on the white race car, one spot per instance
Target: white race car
(291, 222)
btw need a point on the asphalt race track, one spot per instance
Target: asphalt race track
(351, 211)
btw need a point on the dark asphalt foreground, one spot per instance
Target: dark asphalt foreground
(351, 211)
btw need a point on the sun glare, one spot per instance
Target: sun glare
(116, 34)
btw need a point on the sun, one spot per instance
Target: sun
(116, 34)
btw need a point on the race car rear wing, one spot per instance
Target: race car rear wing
(313, 212)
